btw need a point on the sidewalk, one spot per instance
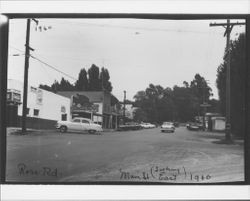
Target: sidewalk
(18, 130)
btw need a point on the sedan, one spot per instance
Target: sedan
(167, 127)
(79, 124)
(147, 125)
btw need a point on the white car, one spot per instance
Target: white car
(147, 125)
(167, 127)
(79, 124)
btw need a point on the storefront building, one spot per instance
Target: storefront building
(99, 106)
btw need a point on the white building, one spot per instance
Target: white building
(40, 103)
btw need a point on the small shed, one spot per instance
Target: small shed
(218, 123)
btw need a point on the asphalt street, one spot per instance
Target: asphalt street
(126, 156)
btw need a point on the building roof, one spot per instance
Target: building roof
(94, 96)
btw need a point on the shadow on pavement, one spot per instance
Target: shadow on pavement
(229, 142)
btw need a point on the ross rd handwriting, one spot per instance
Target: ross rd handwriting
(24, 170)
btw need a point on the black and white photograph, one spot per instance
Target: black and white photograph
(126, 100)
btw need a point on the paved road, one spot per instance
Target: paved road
(131, 156)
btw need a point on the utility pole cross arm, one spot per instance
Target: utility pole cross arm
(226, 24)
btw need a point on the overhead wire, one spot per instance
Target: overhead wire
(129, 27)
(45, 63)
(54, 68)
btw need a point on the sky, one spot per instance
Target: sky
(136, 52)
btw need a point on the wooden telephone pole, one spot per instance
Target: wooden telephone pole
(25, 84)
(26, 70)
(228, 26)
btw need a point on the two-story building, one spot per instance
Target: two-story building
(99, 106)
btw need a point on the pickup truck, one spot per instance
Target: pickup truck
(79, 124)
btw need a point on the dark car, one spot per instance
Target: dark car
(193, 126)
(129, 126)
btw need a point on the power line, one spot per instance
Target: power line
(48, 75)
(16, 49)
(54, 68)
(131, 28)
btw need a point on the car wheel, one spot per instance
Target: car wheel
(92, 131)
(63, 129)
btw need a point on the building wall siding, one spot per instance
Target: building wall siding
(49, 104)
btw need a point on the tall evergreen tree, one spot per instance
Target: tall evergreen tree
(65, 85)
(94, 78)
(82, 82)
(56, 86)
(45, 87)
(104, 79)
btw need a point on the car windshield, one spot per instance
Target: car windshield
(168, 123)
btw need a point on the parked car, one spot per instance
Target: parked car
(129, 126)
(167, 127)
(193, 126)
(147, 125)
(79, 124)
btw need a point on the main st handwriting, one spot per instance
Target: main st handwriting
(166, 174)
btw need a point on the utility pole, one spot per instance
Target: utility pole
(228, 26)
(124, 105)
(25, 84)
(26, 70)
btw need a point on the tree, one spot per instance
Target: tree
(45, 87)
(200, 88)
(182, 103)
(237, 80)
(140, 115)
(65, 85)
(154, 104)
(139, 97)
(82, 82)
(104, 79)
(55, 86)
(215, 106)
(94, 79)
(186, 105)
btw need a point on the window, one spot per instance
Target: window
(64, 117)
(85, 121)
(76, 120)
(36, 112)
(96, 108)
(27, 111)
